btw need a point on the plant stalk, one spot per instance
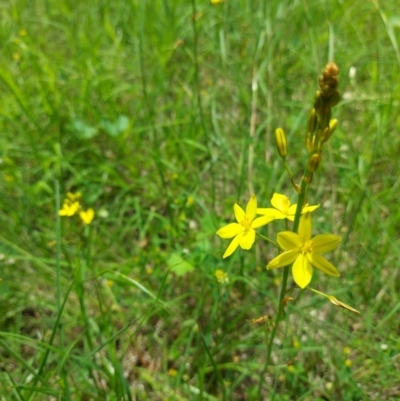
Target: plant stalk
(281, 307)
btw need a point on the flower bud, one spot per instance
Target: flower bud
(331, 129)
(319, 101)
(328, 81)
(312, 121)
(313, 162)
(334, 98)
(281, 142)
(325, 117)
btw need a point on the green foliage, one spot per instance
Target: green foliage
(163, 115)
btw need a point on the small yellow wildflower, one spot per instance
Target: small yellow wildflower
(217, 1)
(283, 209)
(221, 276)
(72, 206)
(242, 232)
(74, 197)
(69, 208)
(87, 216)
(304, 252)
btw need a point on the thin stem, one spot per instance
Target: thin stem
(281, 307)
(269, 240)
(253, 120)
(58, 286)
(58, 253)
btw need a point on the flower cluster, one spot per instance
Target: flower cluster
(221, 276)
(299, 249)
(72, 206)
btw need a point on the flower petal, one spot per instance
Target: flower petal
(230, 230)
(281, 202)
(239, 213)
(302, 271)
(289, 241)
(69, 209)
(261, 221)
(292, 209)
(251, 208)
(323, 243)
(232, 246)
(322, 264)
(282, 260)
(74, 197)
(308, 208)
(305, 227)
(248, 239)
(269, 211)
(87, 216)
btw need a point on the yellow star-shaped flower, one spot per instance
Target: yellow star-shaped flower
(242, 232)
(283, 209)
(305, 252)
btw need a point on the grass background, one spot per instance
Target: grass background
(162, 114)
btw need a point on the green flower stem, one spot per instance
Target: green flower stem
(288, 169)
(269, 240)
(281, 308)
(302, 198)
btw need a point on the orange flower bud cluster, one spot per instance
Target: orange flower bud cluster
(328, 82)
(321, 126)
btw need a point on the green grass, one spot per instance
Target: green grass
(147, 108)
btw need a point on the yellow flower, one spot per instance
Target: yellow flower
(242, 232)
(221, 276)
(74, 197)
(217, 1)
(87, 216)
(69, 208)
(304, 252)
(283, 209)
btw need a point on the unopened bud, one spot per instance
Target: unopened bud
(328, 81)
(332, 125)
(313, 162)
(331, 129)
(281, 142)
(319, 101)
(324, 134)
(312, 121)
(309, 145)
(334, 98)
(325, 117)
